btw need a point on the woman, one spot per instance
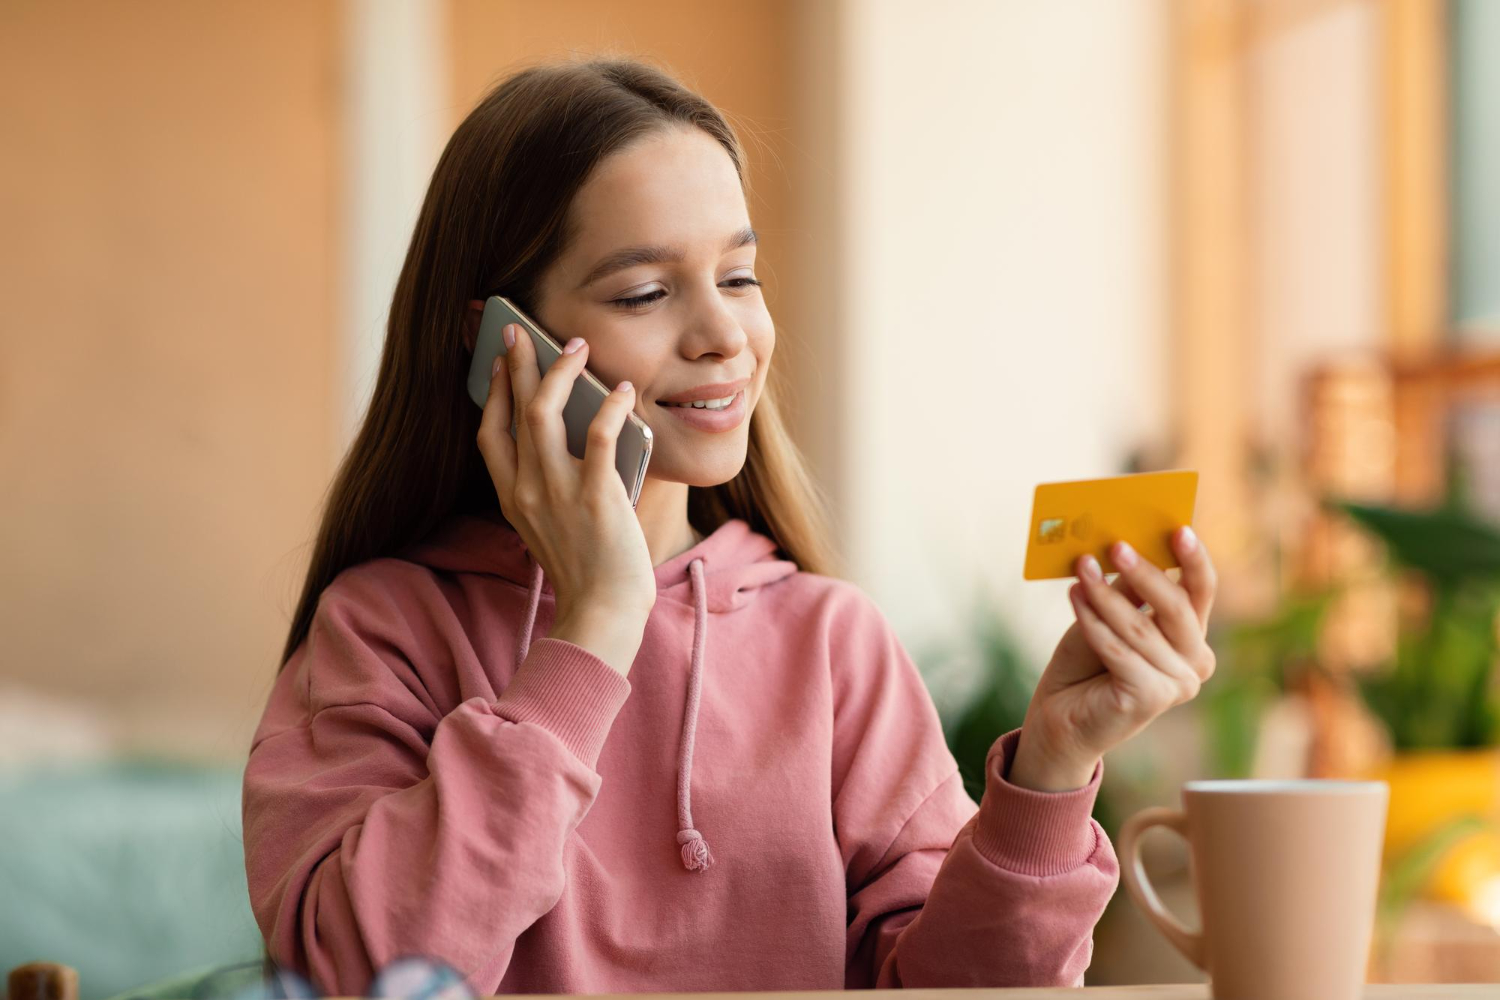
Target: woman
(501, 681)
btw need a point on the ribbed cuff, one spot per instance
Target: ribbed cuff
(568, 691)
(1032, 832)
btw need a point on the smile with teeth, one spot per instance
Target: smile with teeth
(706, 404)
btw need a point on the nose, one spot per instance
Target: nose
(714, 329)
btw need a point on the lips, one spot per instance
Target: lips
(709, 390)
(723, 402)
(713, 421)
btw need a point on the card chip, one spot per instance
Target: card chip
(1051, 529)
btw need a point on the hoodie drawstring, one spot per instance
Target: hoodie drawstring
(695, 852)
(535, 599)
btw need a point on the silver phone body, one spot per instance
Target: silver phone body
(633, 444)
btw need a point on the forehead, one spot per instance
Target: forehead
(676, 186)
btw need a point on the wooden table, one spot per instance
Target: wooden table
(60, 982)
(1190, 991)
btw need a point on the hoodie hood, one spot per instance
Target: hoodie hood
(721, 573)
(737, 561)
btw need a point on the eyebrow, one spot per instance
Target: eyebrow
(655, 254)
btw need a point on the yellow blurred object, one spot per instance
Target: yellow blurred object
(1429, 790)
(1467, 866)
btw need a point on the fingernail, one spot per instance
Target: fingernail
(1189, 540)
(1091, 568)
(496, 369)
(510, 335)
(573, 345)
(623, 386)
(1124, 555)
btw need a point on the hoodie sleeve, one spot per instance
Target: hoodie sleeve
(944, 893)
(374, 829)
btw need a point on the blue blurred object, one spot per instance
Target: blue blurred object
(280, 985)
(418, 978)
(129, 871)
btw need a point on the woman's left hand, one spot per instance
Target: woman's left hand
(1117, 667)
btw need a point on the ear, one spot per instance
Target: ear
(472, 316)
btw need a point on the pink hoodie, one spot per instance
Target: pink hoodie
(765, 803)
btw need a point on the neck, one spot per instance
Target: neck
(662, 511)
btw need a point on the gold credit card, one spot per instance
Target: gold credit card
(1089, 515)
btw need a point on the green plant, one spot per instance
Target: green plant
(997, 706)
(1439, 692)
(1256, 660)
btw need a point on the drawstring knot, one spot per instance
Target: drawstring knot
(695, 855)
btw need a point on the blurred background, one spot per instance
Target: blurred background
(1004, 243)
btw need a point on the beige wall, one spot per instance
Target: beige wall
(1005, 288)
(166, 265)
(172, 368)
(1317, 223)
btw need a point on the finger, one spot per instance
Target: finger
(1174, 613)
(495, 442)
(1136, 628)
(521, 372)
(604, 432)
(520, 358)
(1199, 578)
(1118, 657)
(1123, 585)
(1149, 684)
(544, 415)
(1120, 584)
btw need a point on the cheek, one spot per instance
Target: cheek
(612, 360)
(762, 342)
(763, 348)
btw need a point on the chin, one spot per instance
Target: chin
(701, 473)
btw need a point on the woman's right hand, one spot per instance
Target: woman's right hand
(574, 514)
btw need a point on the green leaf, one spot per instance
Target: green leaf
(1447, 543)
(1438, 693)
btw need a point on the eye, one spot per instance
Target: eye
(641, 301)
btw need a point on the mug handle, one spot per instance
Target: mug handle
(1134, 872)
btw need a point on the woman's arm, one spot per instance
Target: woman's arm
(943, 892)
(1012, 902)
(363, 842)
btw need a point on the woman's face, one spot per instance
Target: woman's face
(672, 203)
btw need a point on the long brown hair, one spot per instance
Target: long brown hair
(494, 219)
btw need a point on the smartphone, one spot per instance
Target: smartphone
(633, 444)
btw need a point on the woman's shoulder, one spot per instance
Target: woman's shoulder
(841, 602)
(418, 572)
(822, 585)
(383, 635)
(392, 606)
(383, 583)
